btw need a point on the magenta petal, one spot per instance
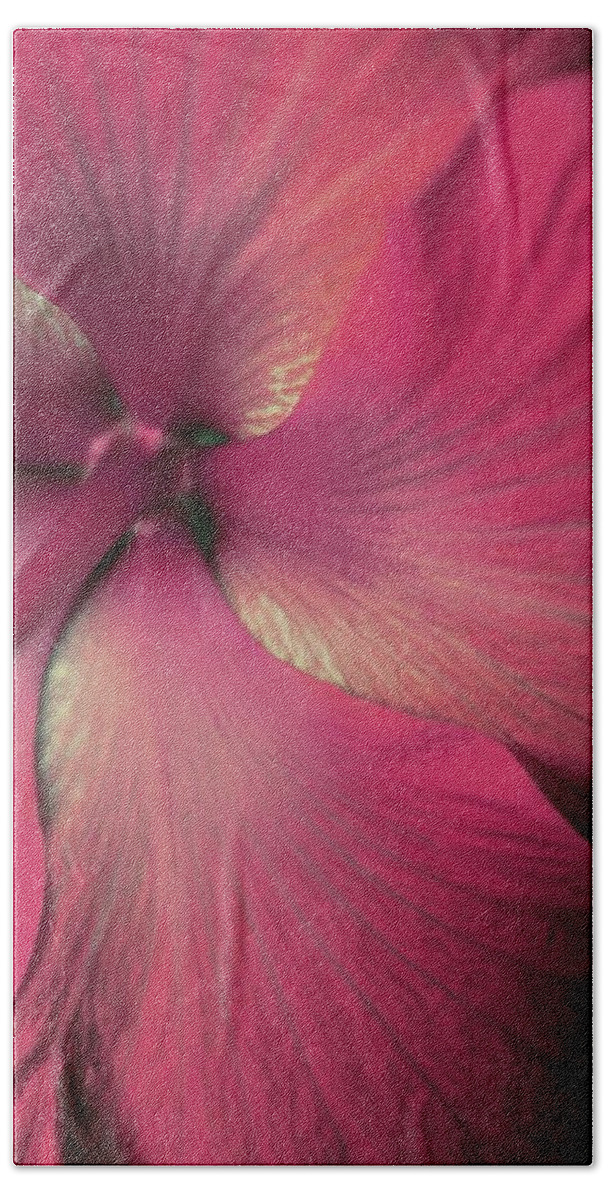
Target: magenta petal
(285, 925)
(62, 399)
(63, 529)
(418, 531)
(29, 865)
(62, 532)
(36, 1101)
(209, 198)
(523, 56)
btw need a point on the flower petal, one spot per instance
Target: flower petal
(418, 531)
(63, 530)
(66, 534)
(285, 925)
(62, 400)
(524, 56)
(28, 859)
(209, 198)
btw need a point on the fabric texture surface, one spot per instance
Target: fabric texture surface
(302, 596)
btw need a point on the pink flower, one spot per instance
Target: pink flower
(302, 352)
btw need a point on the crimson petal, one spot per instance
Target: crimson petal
(28, 876)
(65, 533)
(418, 531)
(62, 399)
(64, 528)
(284, 925)
(209, 198)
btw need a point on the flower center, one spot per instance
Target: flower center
(166, 464)
(148, 440)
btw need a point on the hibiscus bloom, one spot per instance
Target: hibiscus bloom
(302, 729)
